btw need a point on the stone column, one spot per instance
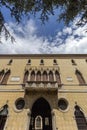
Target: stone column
(48, 75)
(28, 119)
(53, 120)
(54, 76)
(29, 75)
(35, 74)
(41, 75)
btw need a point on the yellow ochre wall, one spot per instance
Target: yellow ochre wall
(70, 90)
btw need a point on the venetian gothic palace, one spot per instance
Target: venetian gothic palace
(43, 92)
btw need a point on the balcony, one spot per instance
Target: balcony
(41, 86)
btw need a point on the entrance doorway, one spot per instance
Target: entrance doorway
(41, 116)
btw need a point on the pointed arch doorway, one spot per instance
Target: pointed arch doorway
(41, 115)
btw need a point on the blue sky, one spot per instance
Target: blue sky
(53, 37)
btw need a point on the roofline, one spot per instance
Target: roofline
(43, 55)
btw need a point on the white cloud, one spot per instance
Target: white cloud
(69, 40)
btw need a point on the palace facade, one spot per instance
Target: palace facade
(43, 92)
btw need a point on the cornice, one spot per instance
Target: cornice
(43, 56)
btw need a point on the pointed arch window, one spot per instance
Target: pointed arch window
(25, 77)
(55, 61)
(32, 76)
(38, 123)
(41, 61)
(80, 118)
(45, 77)
(29, 61)
(10, 62)
(73, 62)
(1, 74)
(38, 76)
(3, 116)
(6, 77)
(80, 77)
(57, 75)
(51, 78)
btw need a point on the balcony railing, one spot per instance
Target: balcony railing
(28, 67)
(41, 85)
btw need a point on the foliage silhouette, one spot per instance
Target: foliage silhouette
(69, 10)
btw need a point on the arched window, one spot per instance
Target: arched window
(38, 123)
(58, 77)
(41, 61)
(25, 76)
(73, 62)
(3, 116)
(32, 76)
(10, 62)
(29, 61)
(45, 77)
(80, 77)
(38, 76)
(54, 61)
(1, 74)
(51, 78)
(80, 118)
(6, 76)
